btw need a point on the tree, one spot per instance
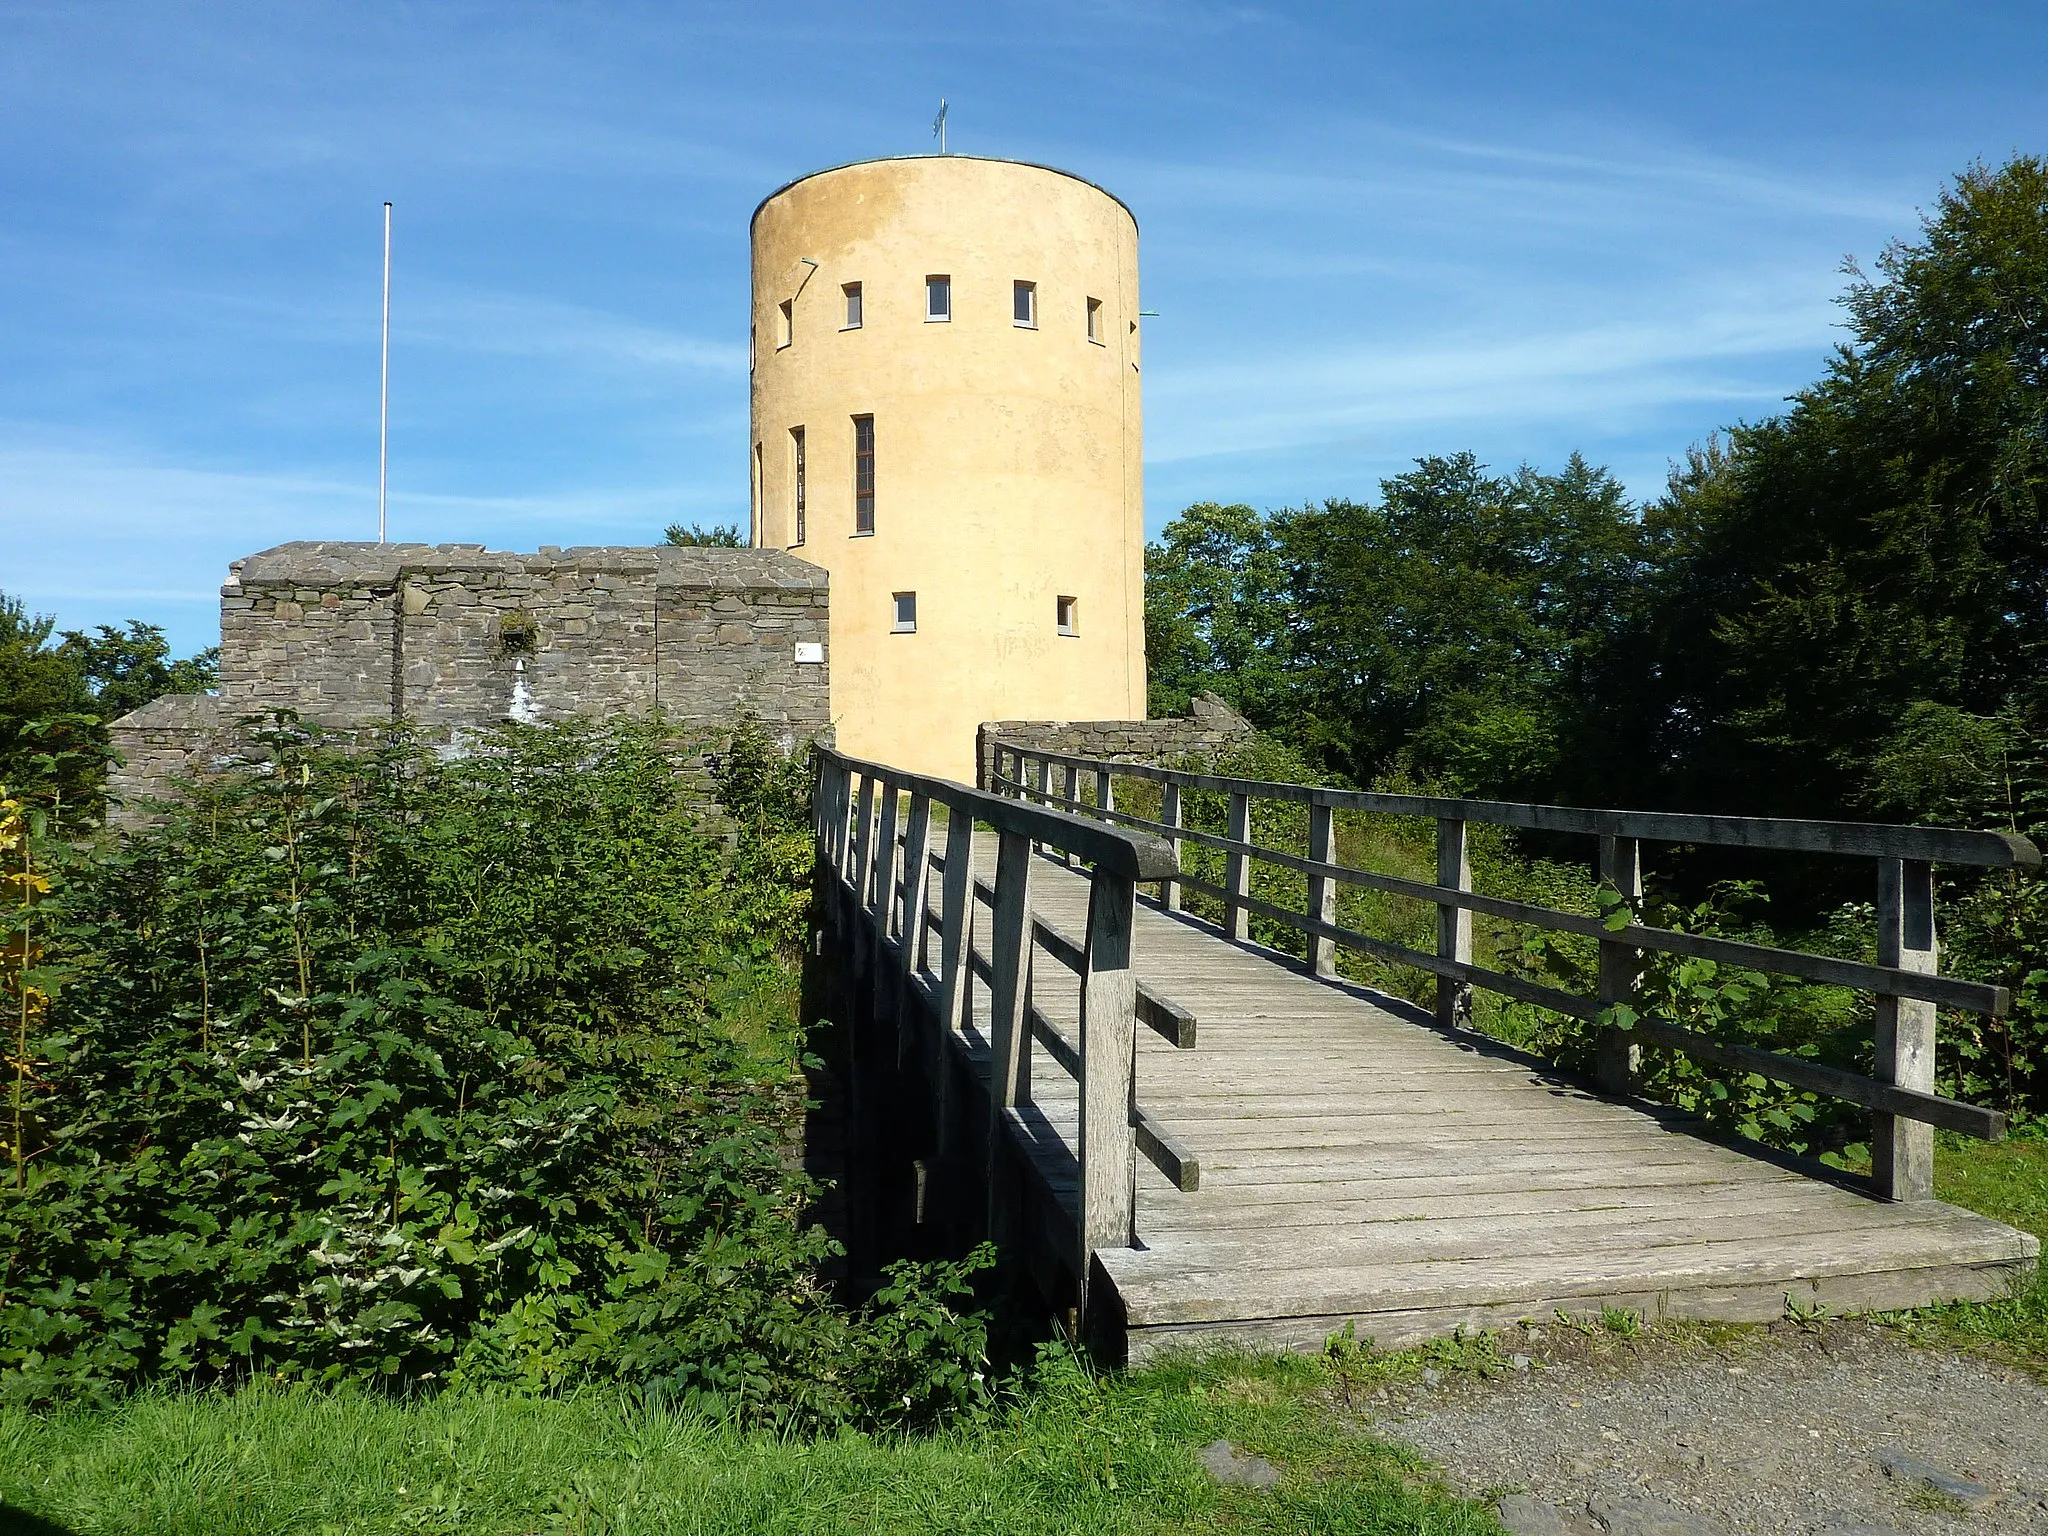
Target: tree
(1882, 543)
(1457, 622)
(125, 668)
(717, 536)
(1216, 614)
(45, 706)
(1461, 623)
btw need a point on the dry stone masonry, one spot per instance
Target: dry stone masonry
(455, 636)
(1210, 726)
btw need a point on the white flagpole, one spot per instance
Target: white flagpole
(939, 125)
(384, 398)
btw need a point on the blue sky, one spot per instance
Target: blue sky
(1370, 231)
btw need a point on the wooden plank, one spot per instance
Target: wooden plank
(1753, 1301)
(954, 937)
(1618, 1058)
(1901, 1142)
(1322, 890)
(1367, 1248)
(1378, 1133)
(1914, 1105)
(1947, 991)
(1196, 1296)
(1425, 1203)
(1265, 1164)
(1941, 845)
(1140, 857)
(1237, 879)
(1170, 819)
(1108, 1020)
(1161, 1014)
(1167, 1152)
(1453, 926)
(863, 828)
(1350, 1183)
(1010, 955)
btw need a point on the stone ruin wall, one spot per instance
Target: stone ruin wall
(455, 637)
(1211, 726)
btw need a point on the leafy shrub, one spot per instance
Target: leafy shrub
(390, 1066)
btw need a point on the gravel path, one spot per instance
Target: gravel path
(1782, 1431)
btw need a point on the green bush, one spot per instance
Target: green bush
(397, 1066)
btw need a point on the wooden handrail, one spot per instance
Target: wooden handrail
(1905, 981)
(1133, 857)
(1861, 839)
(859, 844)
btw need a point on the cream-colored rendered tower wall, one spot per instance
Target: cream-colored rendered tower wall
(1007, 460)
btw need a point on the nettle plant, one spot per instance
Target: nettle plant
(382, 1065)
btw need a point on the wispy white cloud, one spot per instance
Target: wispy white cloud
(123, 532)
(1726, 360)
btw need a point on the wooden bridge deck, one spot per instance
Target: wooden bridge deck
(1359, 1164)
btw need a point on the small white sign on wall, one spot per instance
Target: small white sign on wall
(810, 653)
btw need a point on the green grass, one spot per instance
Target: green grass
(2007, 1181)
(1075, 1454)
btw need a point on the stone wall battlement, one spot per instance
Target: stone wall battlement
(457, 636)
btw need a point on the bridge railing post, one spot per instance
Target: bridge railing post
(1618, 1057)
(839, 818)
(1009, 1082)
(1902, 1150)
(1453, 923)
(882, 888)
(863, 832)
(910, 914)
(1109, 998)
(1322, 890)
(1169, 812)
(1105, 792)
(1238, 874)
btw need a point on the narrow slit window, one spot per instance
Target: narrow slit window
(1095, 321)
(1068, 612)
(863, 474)
(1024, 305)
(754, 531)
(852, 292)
(796, 448)
(906, 614)
(785, 323)
(938, 298)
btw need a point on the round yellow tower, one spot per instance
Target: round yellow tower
(946, 417)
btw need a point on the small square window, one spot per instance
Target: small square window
(1024, 305)
(1095, 321)
(852, 292)
(938, 298)
(906, 614)
(786, 324)
(1069, 616)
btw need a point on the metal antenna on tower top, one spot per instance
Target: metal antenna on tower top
(384, 393)
(939, 126)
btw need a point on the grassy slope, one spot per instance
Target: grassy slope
(1078, 1456)
(2008, 1181)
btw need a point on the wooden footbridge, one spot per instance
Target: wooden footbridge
(1186, 1136)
